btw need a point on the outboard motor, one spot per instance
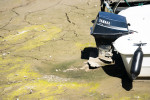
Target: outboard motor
(136, 62)
(107, 28)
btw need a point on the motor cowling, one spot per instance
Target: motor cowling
(136, 65)
(108, 27)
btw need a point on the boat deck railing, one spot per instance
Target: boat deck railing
(116, 6)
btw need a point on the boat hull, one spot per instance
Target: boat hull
(145, 69)
(127, 45)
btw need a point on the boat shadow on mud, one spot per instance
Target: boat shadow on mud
(115, 70)
(118, 70)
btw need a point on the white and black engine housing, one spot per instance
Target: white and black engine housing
(107, 28)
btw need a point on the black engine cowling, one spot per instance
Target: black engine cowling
(108, 27)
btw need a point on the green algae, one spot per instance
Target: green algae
(24, 72)
(8, 60)
(23, 81)
(42, 89)
(31, 37)
(84, 45)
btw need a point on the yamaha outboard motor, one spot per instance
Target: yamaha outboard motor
(106, 29)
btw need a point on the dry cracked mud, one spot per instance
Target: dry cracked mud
(40, 54)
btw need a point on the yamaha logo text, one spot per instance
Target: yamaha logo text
(104, 21)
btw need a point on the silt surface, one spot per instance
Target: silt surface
(40, 54)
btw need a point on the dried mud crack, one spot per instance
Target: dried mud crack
(68, 19)
(6, 24)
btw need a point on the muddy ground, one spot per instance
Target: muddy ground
(40, 54)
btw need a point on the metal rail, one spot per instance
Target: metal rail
(115, 6)
(122, 1)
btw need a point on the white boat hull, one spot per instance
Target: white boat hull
(139, 19)
(145, 69)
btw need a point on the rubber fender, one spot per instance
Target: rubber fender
(136, 63)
